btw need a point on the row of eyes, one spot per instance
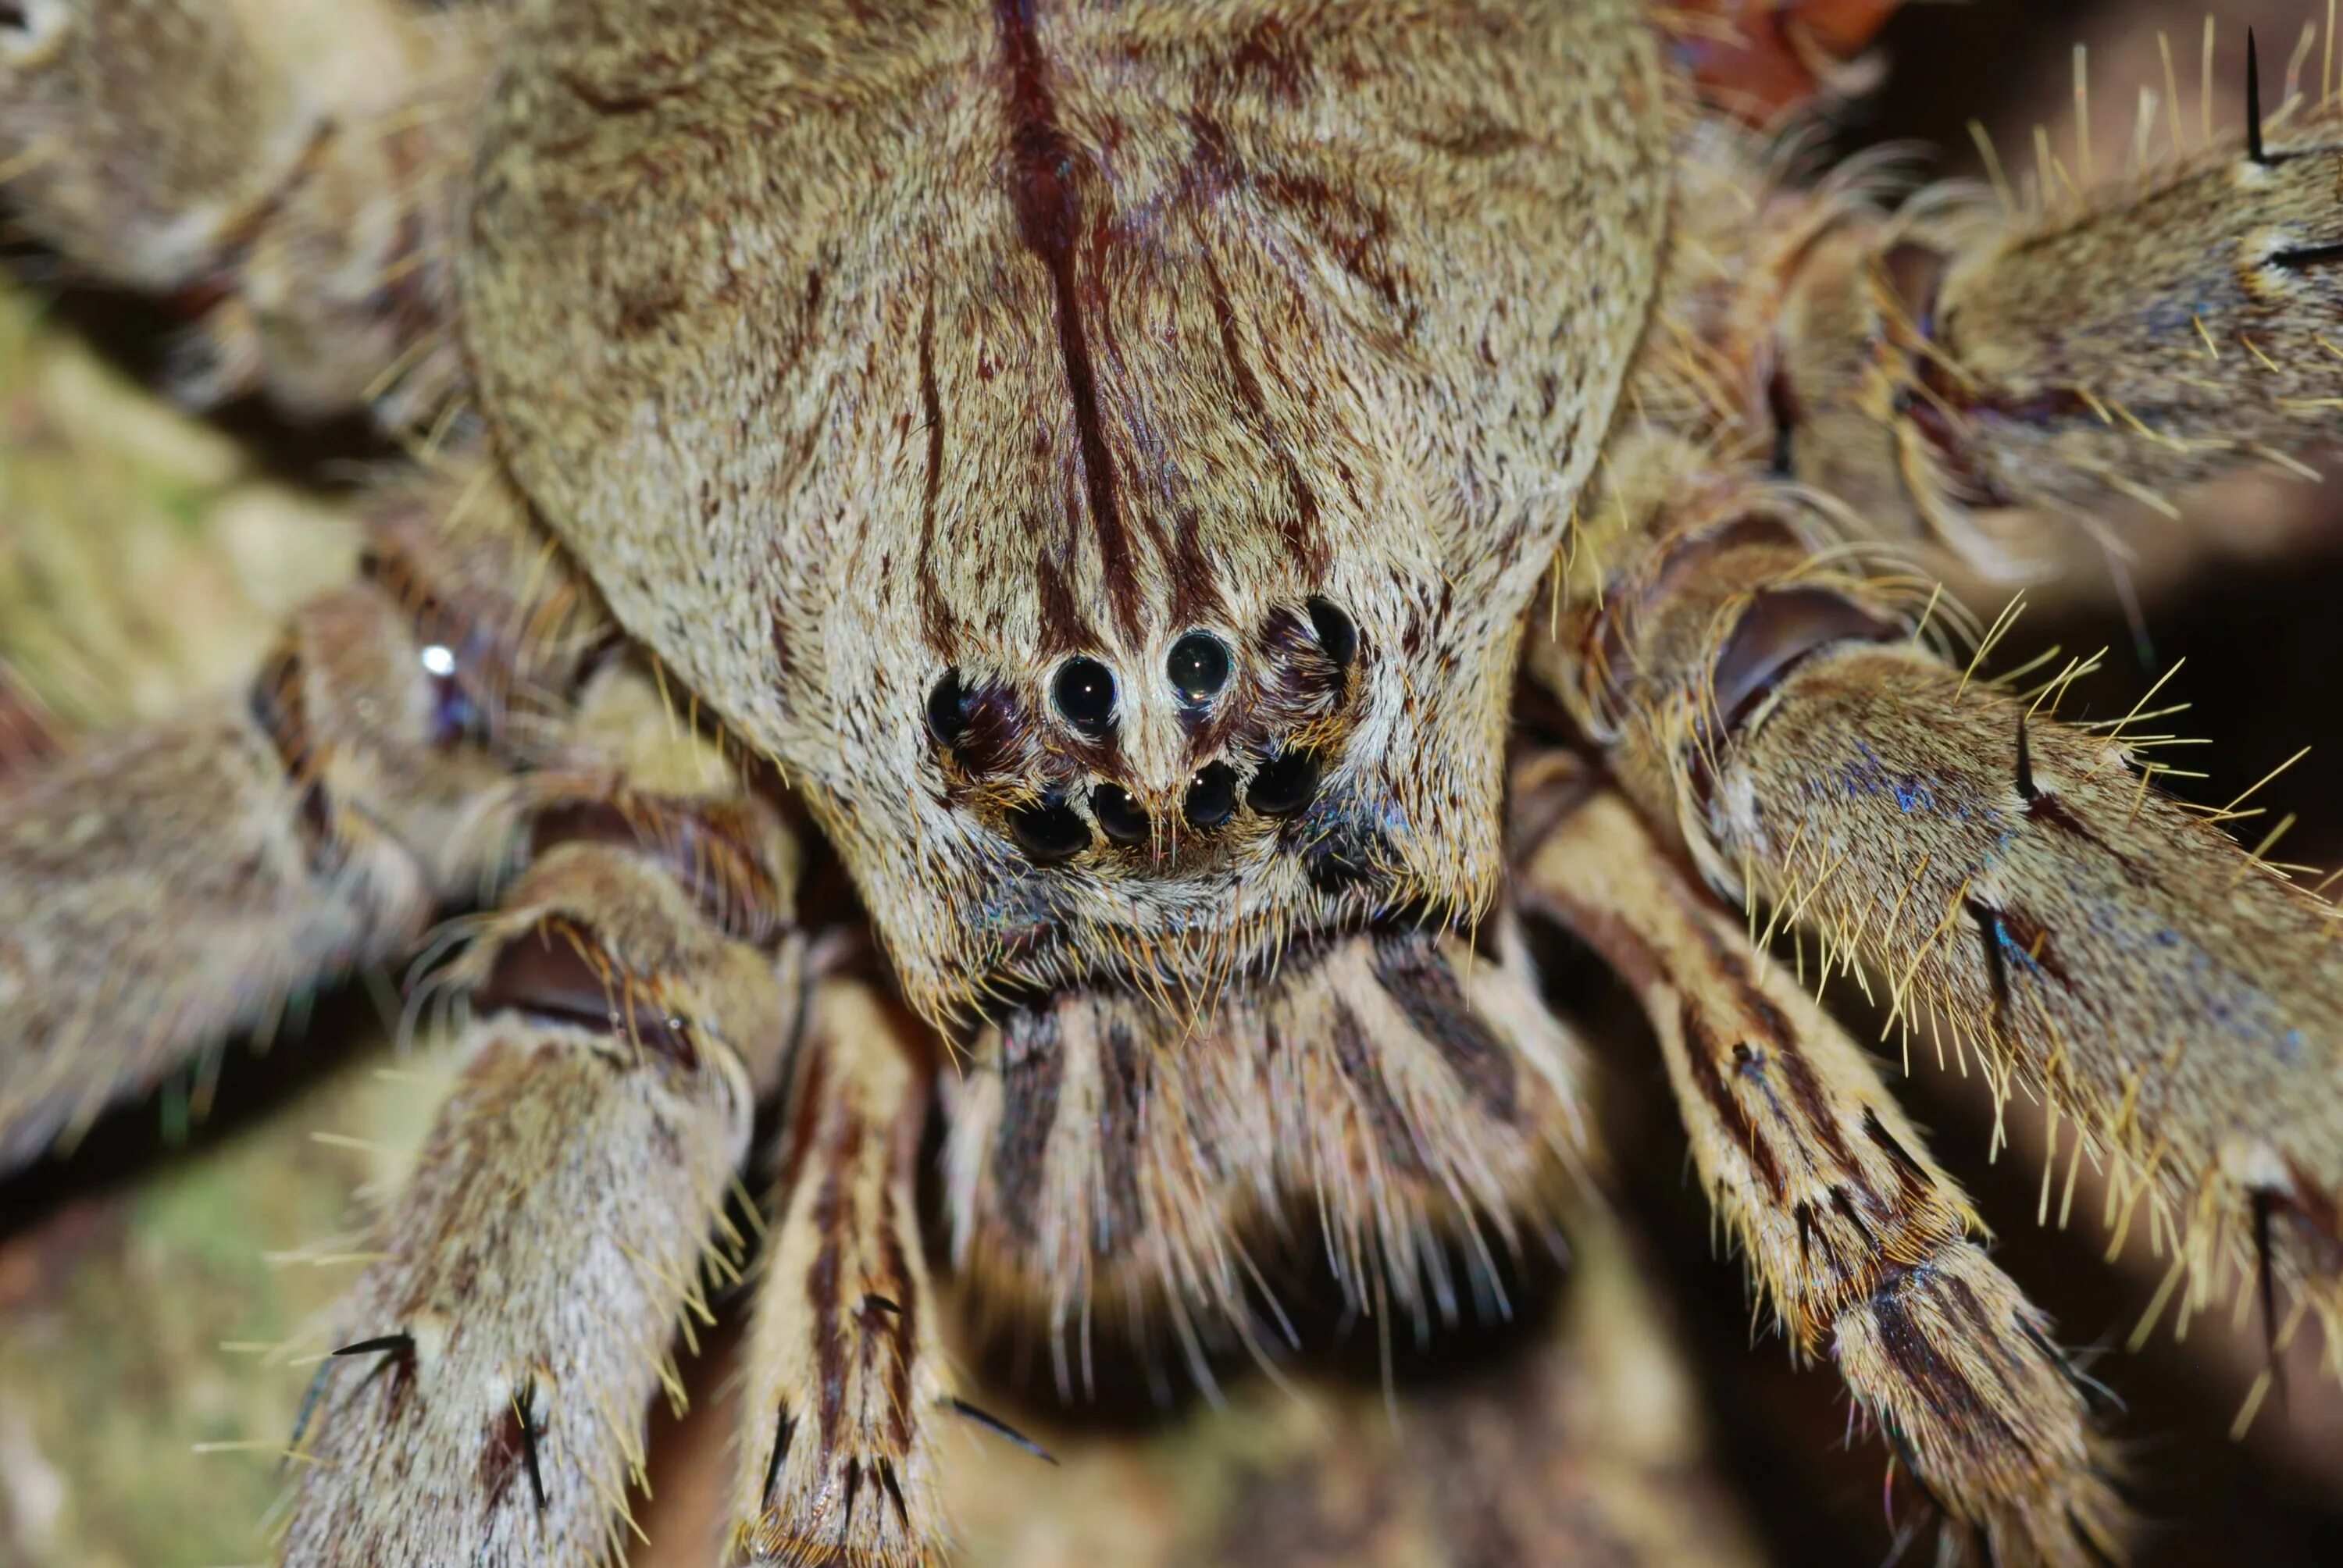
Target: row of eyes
(1053, 830)
(1198, 667)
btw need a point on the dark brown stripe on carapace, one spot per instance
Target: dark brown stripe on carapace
(1048, 182)
(1300, 525)
(894, 1491)
(561, 972)
(935, 614)
(1064, 628)
(709, 847)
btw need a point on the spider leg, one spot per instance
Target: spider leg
(163, 887)
(631, 997)
(2019, 884)
(289, 177)
(1862, 1245)
(2124, 345)
(847, 1385)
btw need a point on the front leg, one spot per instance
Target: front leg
(2024, 892)
(847, 1383)
(1860, 1244)
(633, 997)
(2117, 348)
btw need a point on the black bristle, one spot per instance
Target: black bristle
(529, 1436)
(2253, 148)
(400, 1344)
(894, 1490)
(999, 1427)
(782, 1430)
(2265, 1279)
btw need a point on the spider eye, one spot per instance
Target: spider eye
(1119, 816)
(30, 30)
(1283, 785)
(1084, 693)
(1336, 635)
(1211, 797)
(1198, 667)
(1049, 831)
(948, 709)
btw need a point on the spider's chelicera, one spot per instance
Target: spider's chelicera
(1117, 475)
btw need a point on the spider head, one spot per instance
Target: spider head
(1114, 506)
(1171, 809)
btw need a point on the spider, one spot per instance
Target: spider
(1070, 572)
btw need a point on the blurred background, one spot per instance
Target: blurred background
(157, 1287)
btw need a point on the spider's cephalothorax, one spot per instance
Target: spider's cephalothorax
(1090, 461)
(1103, 453)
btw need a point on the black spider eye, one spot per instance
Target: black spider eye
(1211, 797)
(1084, 693)
(1283, 785)
(1049, 831)
(1336, 633)
(1198, 667)
(947, 712)
(1119, 816)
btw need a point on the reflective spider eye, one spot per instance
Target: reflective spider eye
(1283, 785)
(1198, 667)
(1211, 797)
(1049, 831)
(1084, 693)
(947, 712)
(1119, 816)
(1336, 635)
(29, 28)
